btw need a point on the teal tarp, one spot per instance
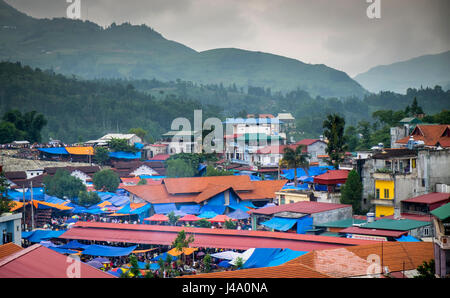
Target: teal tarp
(407, 238)
(39, 235)
(280, 224)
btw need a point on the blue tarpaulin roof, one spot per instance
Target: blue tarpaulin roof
(224, 264)
(239, 214)
(143, 266)
(312, 171)
(39, 235)
(207, 214)
(138, 145)
(125, 155)
(243, 205)
(261, 257)
(285, 256)
(190, 209)
(164, 208)
(219, 209)
(280, 224)
(74, 244)
(126, 209)
(63, 251)
(57, 150)
(164, 257)
(38, 194)
(142, 209)
(108, 251)
(53, 200)
(118, 201)
(26, 234)
(407, 238)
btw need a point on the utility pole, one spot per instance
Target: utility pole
(32, 207)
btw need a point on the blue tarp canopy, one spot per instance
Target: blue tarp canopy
(280, 224)
(125, 155)
(63, 251)
(53, 200)
(239, 214)
(224, 264)
(95, 211)
(26, 234)
(312, 171)
(190, 209)
(39, 235)
(164, 257)
(138, 145)
(407, 238)
(79, 209)
(285, 256)
(219, 209)
(108, 251)
(125, 209)
(292, 186)
(118, 201)
(243, 205)
(143, 266)
(164, 208)
(261, 257)
(38, 194)
(304, 224)
(74, 244)
(208, 214)
(57, 150)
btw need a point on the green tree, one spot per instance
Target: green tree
(207, 260)
(101, 155)
(142, 182)
(295, 159)
(334, 132)
(182, 241)
(364, 130)
(211, 171)
(5, 203)
(9, 133)
(239, 264)
(351, 138)
(229, 224)
(202, 223)
(30, 124)
(351, 192)
(88, 198)
(172, 218)
(179, 168)
(117, 145)
(140, 132)
(62, 184)
(106, 180)
(426, 270)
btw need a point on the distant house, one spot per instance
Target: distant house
(11, 228)
(424, 204)
(314, 148)
(152, 150)
(137, 168)
(84, 173)
(431, 135)
(103, 141)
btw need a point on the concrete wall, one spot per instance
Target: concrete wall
(332, 215)
(318, 148)
(11, 223)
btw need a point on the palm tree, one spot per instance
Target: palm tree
(295, 159)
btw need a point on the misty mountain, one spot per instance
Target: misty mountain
(424, 71)
(84, 49)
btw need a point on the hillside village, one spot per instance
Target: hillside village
(256, 215)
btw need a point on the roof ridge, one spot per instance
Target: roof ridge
(18, 254)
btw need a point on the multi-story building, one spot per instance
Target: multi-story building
(441, 223)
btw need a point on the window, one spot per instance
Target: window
(377, 193)
(414, 163)
(291, 201)
(386, 193)
(426, 231)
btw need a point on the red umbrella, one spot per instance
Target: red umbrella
(220, 218)
(189, 217)
(157, 217)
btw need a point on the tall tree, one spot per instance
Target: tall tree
(351, 192)
(179, 168)
(106, 180)
(140, 132)
(295, 159)
(101, 155)
(62, 184)
(334, 131)
(5, 203)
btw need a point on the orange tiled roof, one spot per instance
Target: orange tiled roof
(9, 249)
(263, 189)
(199, 184)
(353, 260)
(282, 271)
(430, 135)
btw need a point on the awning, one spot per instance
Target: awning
(207, 214)
(261, 257)
(219, 209)
(221, 218)
(189, 217)
(45, 205)
(39, 235)
(74, 244)
(239, 214)
(80, 150)
(280, 224)
(186, 250)
(125, 155)
(157, 217)
(108, 251)
(226, 255)
(164, 257)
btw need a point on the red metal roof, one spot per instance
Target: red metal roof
(431, 198)
(300, 207)
(430, 135)
(308, 142)
(160, 157)
(332, 177)
(41, 262)
(373, 232)
(204, 237)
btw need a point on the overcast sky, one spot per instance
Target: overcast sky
(337, 33)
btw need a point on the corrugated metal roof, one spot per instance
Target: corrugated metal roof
(395, 224)
(430, 198)
(9, 249)
(373, 232)
(306, 207)
(442, 212)
(41, 262)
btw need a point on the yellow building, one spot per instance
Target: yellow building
(289, 197)
(384, 196)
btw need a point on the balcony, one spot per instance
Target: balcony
(443, 241)
(383, 176)
(383, 202)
